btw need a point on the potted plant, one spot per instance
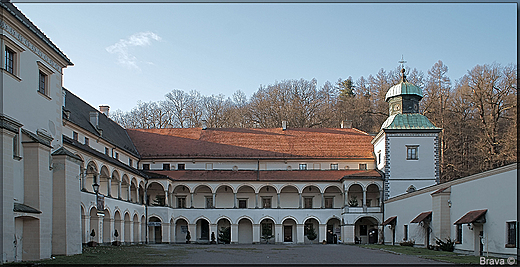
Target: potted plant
(266, 235)
(353, 201)
(92, 243)
(188, 237)
(224, 235)
(311, 233)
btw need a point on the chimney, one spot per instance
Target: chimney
(284, 125)
(94, 118)
(104, 109)
(346, 124)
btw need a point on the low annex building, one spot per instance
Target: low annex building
(70, 175)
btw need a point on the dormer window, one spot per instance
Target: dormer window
(303, 167)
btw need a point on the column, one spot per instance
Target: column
(213, 229)
(322, 201)
(256, 205)
(277, 200)
(234, 233)
(256, 233)
(349, 234)
(345, 199)
(214, 200)
(300, 237)
(129, 193)
(119, 189)
(278, 233)
(234, 200)
(322, 232)
(109, 186)
(364, 200)
(191, 200)
(83, 178)
(300, 200)
(166, 198)
(165, 232)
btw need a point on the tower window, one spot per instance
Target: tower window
(363, 166)
(303, 167)
(412, 152)
(334, 166)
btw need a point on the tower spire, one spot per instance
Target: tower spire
(402, 61)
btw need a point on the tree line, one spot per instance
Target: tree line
(477, 112)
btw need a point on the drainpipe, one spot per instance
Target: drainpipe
(383, 201)
(146, 211)
(258, 170)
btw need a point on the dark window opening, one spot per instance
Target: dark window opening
(181, 166)
(146, 166)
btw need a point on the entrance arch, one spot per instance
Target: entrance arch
(310, 225)
(333, 230)
(245, 231)
(202, 230)
(366, 230)
(289, 231)
(155, 230)
(181, 229)
(267, 230)
(223, 225)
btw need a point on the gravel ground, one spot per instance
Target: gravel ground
(299, 254)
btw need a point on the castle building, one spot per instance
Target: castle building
(70, 175)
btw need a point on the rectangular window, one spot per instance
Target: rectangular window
(16, 146)
(146, 166)
(363, 166)
(334, 166)
(42, 88)
(117, 155)
(379, 158)
(511, 235)
(181, 166)
(412, 152)
(329, 202)
(405, 232)
(9, 60)
(209, 202)
(130, 162)
(266, 202)
(86, 141)
(242, 203)
(166, 167)
(459, 234)
(307, 202)
(75, 136)
(209, 166)
(106, 151)
(181, 202)
(303, 167)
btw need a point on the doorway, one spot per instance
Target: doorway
(204, 230)
(287, 233)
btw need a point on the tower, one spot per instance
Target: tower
(407, 146)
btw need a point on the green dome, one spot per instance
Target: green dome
(403, 88)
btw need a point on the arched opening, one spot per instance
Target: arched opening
(117, 226)
(333, 198)
(133, 190)
(136, 229)
(90, 177)
(128, 229)
(366, 230)
(246, 197)
(373, 196)
(83, 226)
(202, 197)
(202, 230)
(181, 229)
(156, 196)
(289, 231)
(223, 227)
(333, 230)
(104, 174)
(267, 231)
(289, 197)
(107, 229)
(125, 183)
(245, 231)
(268, 197)
(141, 192)
(181, 195)
(355, 196)
(172, 231)
(114, 185)
(311, 231)
(143, 229)
(155, 230)
(94, 225)
(311, 197)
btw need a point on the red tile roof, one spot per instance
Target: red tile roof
(252, 143)
(421, 217)
(220, 175)
(471, 216)
(390, 220)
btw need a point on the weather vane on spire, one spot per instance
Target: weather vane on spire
(402, 61)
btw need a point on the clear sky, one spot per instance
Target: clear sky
(129, 52)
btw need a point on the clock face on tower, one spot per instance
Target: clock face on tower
(397, 107)
(415, 107)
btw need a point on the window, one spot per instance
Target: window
(106, 150)
(303, 167)
(209, 202)
(146, 166)
(307, 202)
(130, 162)
(242, 203)
(166, 167)
(266, 202)
(86, 141)
(363, 166)
(334, 166)
(329, 202)
(117, 155)
(43, 81)
(16, 146)
(379, 158)
(9, 60)
(181, 202)
(75, 136)
(412, 152)
(511, 235)
(181, 166)
(42, 88)
(459, 234)
(405, 232)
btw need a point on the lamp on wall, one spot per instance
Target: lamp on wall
(95, 186)
(449, 203)
(470, 226)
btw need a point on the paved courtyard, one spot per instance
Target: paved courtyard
(299, 254)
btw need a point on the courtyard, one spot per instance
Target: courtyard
(245, 254)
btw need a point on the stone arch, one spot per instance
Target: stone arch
(118, 222)
(313, 186)
(103, 180)
(245, 197)
(155, 229)
(311, 196)
(172, 231)
(202, 196)
(199, 186)
(366, 229)
(267, 229)
(133, 190)
(268, 196)
(156, 194)
(107, 227)
(135, 220)
(268, 188)
(333, 197)
(245, 230)
(289, 230)
(114, 185)
(224, 196)
(125, 184)
(94, 224)
(141, 192)
(373, 194)
(202, 229)
(181, 229)
(289, 196)
(311, 223)
(91, 176)
(333, 229)
(143, 228)
(223, 223)
(355, 195)
(127, 227)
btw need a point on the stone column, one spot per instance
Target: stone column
(278, 200)
(109, 186)
(119, 190)
(322, 201)
(278, 233)
(322, 232)
(300, 237)
(256, 203)
(129, 193)
(349, 233)
(234, 200)
(300, 200)
(191, 200)
(214, 200)
(234, 233)
(364, 200)
(256, 233)
(166, 198)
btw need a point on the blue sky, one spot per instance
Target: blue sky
(129, 52)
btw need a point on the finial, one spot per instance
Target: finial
(402, 61)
